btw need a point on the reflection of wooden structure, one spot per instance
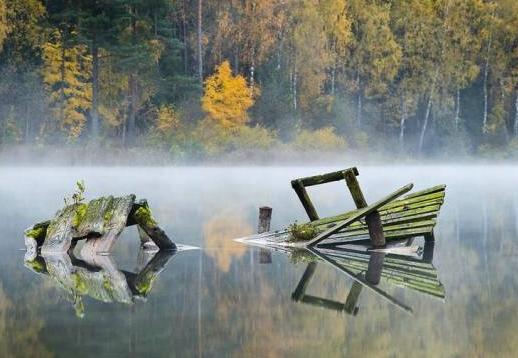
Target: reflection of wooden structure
(98, 276)
(368, 269)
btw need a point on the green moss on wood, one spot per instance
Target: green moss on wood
(79, 284)
(302, 232)
(144, 284)
(144, 217)
(36, 233)
(79, 215)
(36, 265)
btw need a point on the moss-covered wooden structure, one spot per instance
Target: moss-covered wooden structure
(99, 222)
(396, 216)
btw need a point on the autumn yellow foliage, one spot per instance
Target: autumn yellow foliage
(227, 98)
(70, 92)
(323, 139)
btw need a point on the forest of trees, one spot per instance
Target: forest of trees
(198, 78)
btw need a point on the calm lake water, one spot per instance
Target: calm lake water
(227, 299)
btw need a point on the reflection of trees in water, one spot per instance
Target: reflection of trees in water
(219, 232)
(20, 327)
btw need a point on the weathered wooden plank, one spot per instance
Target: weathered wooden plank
(426, 191)
(304, 199)
(351, 231)
(432, 205)
(360, 213)
(325, 178)
(60, 231)
(106, 218)
(388, 233)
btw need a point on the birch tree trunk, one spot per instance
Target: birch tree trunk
(516, 114)
(457, 110)
(95, 88)
(359, 101)
(184, 40)
(200, 57)
(425, 123)
(486, 71)
(402, 123)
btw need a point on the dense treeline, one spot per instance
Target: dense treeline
(200, 77)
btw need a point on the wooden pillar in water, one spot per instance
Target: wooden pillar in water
(265, 217)
(373, 219)
(304, 199)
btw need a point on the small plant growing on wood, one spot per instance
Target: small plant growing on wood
(78, 196)
(302, 232)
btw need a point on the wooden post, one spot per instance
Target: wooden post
(373, 274)
(428, 251)
(265, 216)
(373, 219)
(304, 199)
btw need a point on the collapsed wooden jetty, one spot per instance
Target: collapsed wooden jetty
(389, 218)
(371, 245)
(99, 222)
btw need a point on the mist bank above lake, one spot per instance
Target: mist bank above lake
(91, 155)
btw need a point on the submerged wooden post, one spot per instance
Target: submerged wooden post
(373, 219)
(265, 217)
(299, 188)
(428, 251)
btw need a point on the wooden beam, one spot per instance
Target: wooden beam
(373, 220)
(304, 199)
(325, 178)
(360, 214)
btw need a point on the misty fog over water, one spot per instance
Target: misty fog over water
(220, 300)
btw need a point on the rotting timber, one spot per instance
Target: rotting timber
(391, 218)
(99, 222)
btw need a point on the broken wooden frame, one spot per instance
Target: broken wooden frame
(388, 218)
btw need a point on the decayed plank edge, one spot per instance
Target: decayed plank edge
(361, 213)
